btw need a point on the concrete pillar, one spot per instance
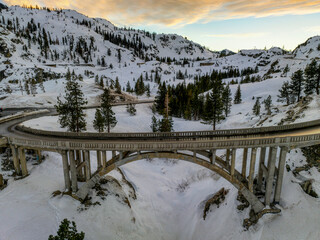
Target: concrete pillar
(39, 155)
(282, 162)
(251, 170)
(73, 171)
(78, 162)
(16, 162)
(1, 181)
(99, 159)
(228, 156)
(213, 156)
(23, 162)
(260, 172)
(88, 165)
(104, 159)
(113, 154)
(233, 161)
(120, 155)
(244, 163)
(270, 177)
(66, 173)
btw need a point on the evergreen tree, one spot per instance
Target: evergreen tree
(296, 84)
(128, 87)
(256, 108)
(312, 78)
(267, 104)
(154, 124)
(237, 96)
(106, 110)
(98, 122)
(166, 124)
(227, 100)
(67, 232)
(285, 93)
(117, 86)
(131, 109)
(70, 112)
(214, 106)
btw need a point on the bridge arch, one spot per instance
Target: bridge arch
(255, 203)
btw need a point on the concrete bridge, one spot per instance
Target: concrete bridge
(264, 147)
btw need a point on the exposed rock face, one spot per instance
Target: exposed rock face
(307, 187)
(217, 199)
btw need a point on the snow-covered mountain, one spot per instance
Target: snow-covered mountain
(38, 45)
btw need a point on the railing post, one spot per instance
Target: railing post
(282, 162)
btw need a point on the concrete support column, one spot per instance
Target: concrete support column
(113, 154)
(99, 164)
(39, 155)
(228, 156)
(88, 165)
(16, 162)
(282, 162)
(270, 177)
(251, 170)
(244, 163)
(78, 162)
(104, 159)
(233, 161)
(120, 155)
(66, 173)
(261, 162)
(213, 156)
(23, 162)
(73, 171)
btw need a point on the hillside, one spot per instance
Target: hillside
(38, 46)
(37, 49)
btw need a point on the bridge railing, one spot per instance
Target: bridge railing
(244, 132)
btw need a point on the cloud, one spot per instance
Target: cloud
(238, 35)
(178, 12)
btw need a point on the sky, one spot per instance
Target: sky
(216, 24)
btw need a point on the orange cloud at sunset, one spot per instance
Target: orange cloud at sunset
(178, 12)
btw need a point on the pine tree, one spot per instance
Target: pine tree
(256, 108)
(237, 96)
(285, 93)
(227, 100)
(98, 122)
(214, 105)
(267, 104)
(128, 87)
(154, 124)
(296, 84)
(71, 112)
(67, 232)
(166, 124)
(311, 80)
(117, 86)
(131, 109)
(106, 110)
